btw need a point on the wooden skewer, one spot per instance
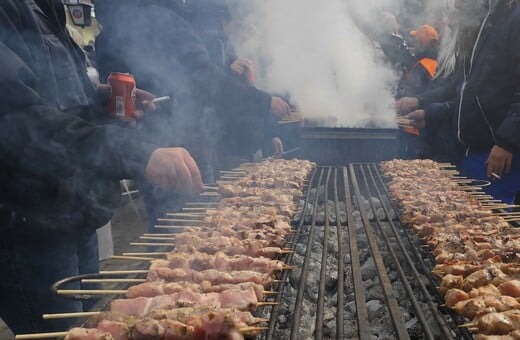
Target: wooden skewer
(501, 206)
(232, 172)
(286, 251)
(269, 292)
(151, 244)
(463, 181)
(207, 187)
(446, 165)
(40, 335)
(122, 272)
(266, 303)
(252, 329)
(146, 254)
(465, 325)
(515, 219)
(198, 209)
(90, 291)
(507, 213)
(285, 267)
(113, 280)
(209, 193)
(160, 238)
(159, 235)
(203, 203)
(133, 258)
(174, 226)
(194, 215)
(470, 188)
(280, 281)
(69, 315)
(176, 220)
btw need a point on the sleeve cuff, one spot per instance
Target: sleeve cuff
(507, 145)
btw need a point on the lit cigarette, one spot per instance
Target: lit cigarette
(495, 175)
(160, 99)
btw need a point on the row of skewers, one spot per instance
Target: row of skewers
(222, 268)
(475, 247)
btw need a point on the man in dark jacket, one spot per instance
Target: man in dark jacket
(486, 113)
(152, 40)
(60, 164)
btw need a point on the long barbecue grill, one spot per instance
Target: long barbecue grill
(359, 274)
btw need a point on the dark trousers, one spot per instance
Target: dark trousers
(504, 189)
(31, 260)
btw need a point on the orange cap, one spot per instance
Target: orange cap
(425, 34)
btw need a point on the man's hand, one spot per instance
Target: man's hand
(143, 99)
(279, 108)
(278, 147)
(143, 102)
(173, 169)
(244, 68)
(498, 162)
(417, 119)
(406, 105)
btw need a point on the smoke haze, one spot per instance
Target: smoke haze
(314, 52)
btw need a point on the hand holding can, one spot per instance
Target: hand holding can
(122, 100)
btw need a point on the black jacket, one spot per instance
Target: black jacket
(59, 165)
(487, 110)
(167, 57)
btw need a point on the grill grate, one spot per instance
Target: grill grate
(348, 209)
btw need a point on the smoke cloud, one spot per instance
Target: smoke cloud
(316, 54)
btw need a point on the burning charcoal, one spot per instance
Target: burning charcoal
(351, 307)
(357, 217)
(375, 293)
(320, 218)
(301, 249)
(376, 203)
(380, 213)
(294, 277)
(375, 309)
(368, 269)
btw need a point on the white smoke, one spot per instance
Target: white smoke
(314, 52)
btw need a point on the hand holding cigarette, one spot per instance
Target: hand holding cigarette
(498, 162)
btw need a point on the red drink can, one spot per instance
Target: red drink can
(122, 100)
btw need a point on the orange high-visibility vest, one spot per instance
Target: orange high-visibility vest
(429, 64)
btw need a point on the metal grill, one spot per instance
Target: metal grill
(328, 296)
(370, 231)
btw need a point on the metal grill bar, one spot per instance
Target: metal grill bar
(301, 287)
(276, 308)
(359, 290)
(393, 307)
(340, 331)
(463, 333)
(323, 270)
(420, 315)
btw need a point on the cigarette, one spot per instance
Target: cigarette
(160, 99)
(157, 100)
(495, 175)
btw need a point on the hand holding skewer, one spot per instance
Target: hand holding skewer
(417, 119)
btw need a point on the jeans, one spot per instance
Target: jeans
(505, 188)
(30, 262)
